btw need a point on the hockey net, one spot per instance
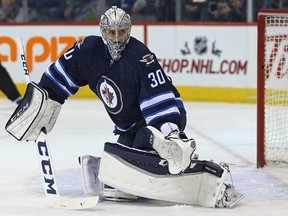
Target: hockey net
(272, 87)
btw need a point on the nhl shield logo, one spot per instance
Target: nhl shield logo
(200, 45)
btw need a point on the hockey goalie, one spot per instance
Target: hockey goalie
(152, 157)
(124, 174)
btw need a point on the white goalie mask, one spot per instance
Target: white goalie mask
(115, 27)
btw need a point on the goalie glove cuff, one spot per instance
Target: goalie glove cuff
(168, 127)
(171, 130)
(176, 151)
(177, 134)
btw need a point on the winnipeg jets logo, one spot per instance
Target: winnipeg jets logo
(107, 94)
(110, 95)
(148, 59)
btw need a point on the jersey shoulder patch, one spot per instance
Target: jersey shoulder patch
(79, 42)
(140, 53)
(148, 59)
(88, 42)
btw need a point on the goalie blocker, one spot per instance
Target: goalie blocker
(36, 111)
(146, 174)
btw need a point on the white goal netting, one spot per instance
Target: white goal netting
(276, 90)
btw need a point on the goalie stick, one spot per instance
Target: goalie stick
(53, 197)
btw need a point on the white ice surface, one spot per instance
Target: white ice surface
(223, 132)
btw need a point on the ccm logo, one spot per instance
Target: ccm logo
(46, 167)
(19, 112)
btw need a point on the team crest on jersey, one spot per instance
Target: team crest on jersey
(110, 95)
(80, 42)
(148, 59)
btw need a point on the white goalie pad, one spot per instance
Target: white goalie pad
(195, 188)
(89, 172)
(34, 112)
(92, 185)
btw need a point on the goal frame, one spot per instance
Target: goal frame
(261, 162)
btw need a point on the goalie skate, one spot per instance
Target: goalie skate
(230, 197)
(176, 151)
(113, 194)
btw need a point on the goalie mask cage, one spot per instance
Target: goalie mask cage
(272, 88)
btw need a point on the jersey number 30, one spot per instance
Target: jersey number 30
(157, 78)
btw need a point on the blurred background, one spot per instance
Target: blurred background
(140, 10)
(208, 47)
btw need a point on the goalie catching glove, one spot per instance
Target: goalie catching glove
(36, 111)
(176, 148)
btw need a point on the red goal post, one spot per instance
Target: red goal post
(272, 88)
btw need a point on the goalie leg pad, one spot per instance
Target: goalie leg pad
(34, 112)
(92, 185)
(144, 174)
(89, 171)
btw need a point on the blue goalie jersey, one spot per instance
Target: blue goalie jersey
(133, 89)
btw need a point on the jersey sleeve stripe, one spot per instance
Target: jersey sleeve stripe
(172, 110)
(157, 99)
(62, 87)
(60, 69)
(180, 103)
(158, 103)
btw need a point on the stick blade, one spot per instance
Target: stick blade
(74, 203)
(49, 180)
